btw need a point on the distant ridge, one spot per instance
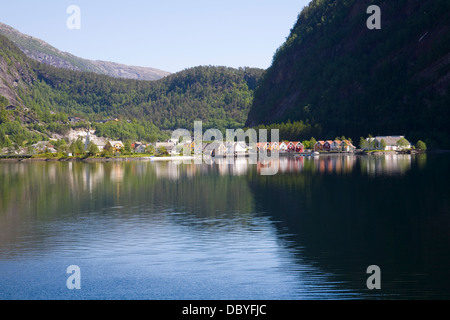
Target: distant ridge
(43, 52)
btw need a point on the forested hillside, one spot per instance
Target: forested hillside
(336, 74)
(44, 97)
(219, 96)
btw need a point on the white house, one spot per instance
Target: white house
(283, 146)
(236, 148)
(390, 141)
(214, 149)
(336, 145)
(140, 148)
(347, 146)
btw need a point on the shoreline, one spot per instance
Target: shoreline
(88, 159)
(184, 158)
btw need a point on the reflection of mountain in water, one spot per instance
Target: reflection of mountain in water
(373, 216)
(334, 215)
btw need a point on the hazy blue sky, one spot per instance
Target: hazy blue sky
(170, 35)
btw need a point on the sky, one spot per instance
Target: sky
(170, 35)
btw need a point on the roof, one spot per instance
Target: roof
(390, 140)
(347, 142)
(113, 143)
(164, 144)
(212, 145)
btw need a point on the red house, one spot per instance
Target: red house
(290, 147)
(327, 145)
(319, 145)
(298, 146)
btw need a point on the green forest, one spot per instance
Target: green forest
(219, 96)
(332, 71)
(146, 110)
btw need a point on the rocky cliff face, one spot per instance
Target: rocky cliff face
(15, 75)
(41, 51)
(351, 80)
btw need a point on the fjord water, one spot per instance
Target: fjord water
(167, 230)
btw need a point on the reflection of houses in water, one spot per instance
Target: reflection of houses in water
(234, 166)
(85, 176)
(387, 164)
(335, 164)
(282, 164)
(116, 174)
(190, 170)
(168, 169)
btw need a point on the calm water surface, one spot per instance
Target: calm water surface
(166, 230)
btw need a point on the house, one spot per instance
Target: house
(235, 148)
(347, 146)
(214, 149)
(290, 147)
(169, 146)
(319, 145)
(274, 146)
(391, 142)
(298, 146)
(139, 147)
(327, 145)
(240, 148)
(283, 146)
(115, 146)
(262, 146)
(336, 145)
(185, 147)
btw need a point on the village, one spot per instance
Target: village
(88, 144)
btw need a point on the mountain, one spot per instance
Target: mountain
(335, 73)
(43, 98)
(219, 96)
(41, 51)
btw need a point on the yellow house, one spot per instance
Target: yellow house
(116, 146)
